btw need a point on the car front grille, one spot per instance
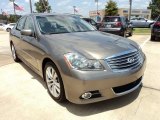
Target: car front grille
(125, 61)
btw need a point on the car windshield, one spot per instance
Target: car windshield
(111, 19)
(56, 24)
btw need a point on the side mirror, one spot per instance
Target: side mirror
(27, 32)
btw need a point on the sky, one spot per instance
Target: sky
(66, 6)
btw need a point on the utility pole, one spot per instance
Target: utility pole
(74, 7)
(30, 2)
(130, 9)
(97, 5)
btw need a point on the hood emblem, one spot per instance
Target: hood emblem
(130, 60)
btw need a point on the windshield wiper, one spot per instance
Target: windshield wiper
(56, 33)
(85, 31)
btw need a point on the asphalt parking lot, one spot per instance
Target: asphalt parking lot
(23, 94)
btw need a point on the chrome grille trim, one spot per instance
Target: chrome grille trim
(120, 62)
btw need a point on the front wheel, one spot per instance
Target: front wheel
(14, 55)
(54, 82)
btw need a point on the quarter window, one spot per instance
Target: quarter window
(29, 24)
(20, 24)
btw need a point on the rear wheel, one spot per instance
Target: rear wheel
(54, 82)
(131, 33)
(124, 34)
(153, 37)
(14, 55)
(8, 30)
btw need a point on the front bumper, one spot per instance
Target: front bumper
(102, 81)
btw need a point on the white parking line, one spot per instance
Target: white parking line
(143, 44)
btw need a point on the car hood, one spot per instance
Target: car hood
(92, 45)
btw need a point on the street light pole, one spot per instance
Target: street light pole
(14, 8)
(30, 2)
(130, 9)
(97, 5)
(74, 7)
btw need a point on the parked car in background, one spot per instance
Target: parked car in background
(92, 22)
(118, 25)
(77, 62)
(1, 26)
(8, 27)
(155, 29)
(141, 22)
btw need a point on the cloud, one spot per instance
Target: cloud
(26, 0)
(85, 2)
(32, 1)
(63, 3)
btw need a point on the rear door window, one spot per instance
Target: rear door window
(112, 19)
(87, 20)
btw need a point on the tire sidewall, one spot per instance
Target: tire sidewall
(62, 93)
(16, 59)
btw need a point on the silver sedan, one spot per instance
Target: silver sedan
(141, 22)
(77, 62)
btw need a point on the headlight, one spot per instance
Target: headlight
(77, 61)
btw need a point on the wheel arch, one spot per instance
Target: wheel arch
(46, 60)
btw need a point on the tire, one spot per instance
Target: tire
(124, 34)
(131, 33)
(150, 25)
(153, 37)
(54, 82)
(14, 55)
(8, 29)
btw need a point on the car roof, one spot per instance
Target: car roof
(44, 14)
(114, 16)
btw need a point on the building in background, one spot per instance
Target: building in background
(146, 13)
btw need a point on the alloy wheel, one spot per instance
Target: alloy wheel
(53, 82)
(13, 52)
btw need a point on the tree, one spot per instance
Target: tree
(111, 8)
(42, 6)
(154, 5)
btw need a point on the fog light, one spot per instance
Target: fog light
(86, 95)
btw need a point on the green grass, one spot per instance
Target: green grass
(141, 31)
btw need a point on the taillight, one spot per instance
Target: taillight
(118, 24)
(157, 24)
